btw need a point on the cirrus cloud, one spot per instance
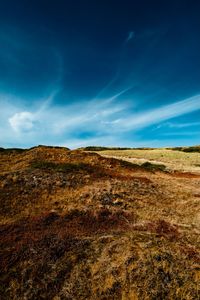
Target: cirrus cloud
(103, 121)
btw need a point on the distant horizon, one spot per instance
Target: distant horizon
(97, 146)
(80, 73)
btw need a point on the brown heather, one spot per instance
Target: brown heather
(77, 225)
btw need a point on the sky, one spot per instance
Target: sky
(78, 73)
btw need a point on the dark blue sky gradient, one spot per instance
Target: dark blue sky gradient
(59, 57)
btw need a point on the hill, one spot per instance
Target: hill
(77, 225)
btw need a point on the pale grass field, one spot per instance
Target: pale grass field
(174, 160)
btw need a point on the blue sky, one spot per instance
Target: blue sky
(110, 73)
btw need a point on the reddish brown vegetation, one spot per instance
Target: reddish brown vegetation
(76, 225)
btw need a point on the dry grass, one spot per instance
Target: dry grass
(173, 159)
(76, 225)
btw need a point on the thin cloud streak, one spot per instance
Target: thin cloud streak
(131, 36)
(177, 125)
(102, 119)
(161, 114)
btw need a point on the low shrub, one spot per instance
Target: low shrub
(11, 150)
(187, 149)
(153, 167)
(61, 167)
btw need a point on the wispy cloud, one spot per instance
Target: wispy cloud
(177, 125)
(131, 36)
(102, 121)
(163, 113)
(185, 134)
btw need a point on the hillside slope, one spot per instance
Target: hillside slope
(76, 225)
